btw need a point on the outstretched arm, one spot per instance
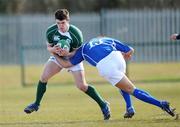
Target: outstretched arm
(175, 37)
(127, 51)
(75, 59)
(64, 52)
(63, 62)
(128, 55)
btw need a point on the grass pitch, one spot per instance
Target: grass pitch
(65, 106)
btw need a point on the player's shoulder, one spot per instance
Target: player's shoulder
(74, 29)
(76, 34)
(51, 29)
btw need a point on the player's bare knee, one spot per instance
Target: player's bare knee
(129, 90)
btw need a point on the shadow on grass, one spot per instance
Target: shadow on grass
(105, 82)
(122, 121)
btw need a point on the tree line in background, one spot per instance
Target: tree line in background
(49, 6)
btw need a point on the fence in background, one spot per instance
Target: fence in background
(147, 30)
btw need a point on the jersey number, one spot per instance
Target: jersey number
(94, 42)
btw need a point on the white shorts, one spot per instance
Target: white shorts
(112, 67)
(78, 67)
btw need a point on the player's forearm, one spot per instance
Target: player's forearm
(50, 48)
(131, 51)
(53, 49)
(72, 53)
(62, 62)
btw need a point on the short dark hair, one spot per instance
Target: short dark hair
(62, 14)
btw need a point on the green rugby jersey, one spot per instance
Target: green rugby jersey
(73, 36)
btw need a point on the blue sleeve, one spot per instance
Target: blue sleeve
(77, 57)
(121, 46)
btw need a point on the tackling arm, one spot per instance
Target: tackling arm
(63, 62)
(64, 52)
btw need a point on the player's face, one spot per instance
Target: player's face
(63, 25)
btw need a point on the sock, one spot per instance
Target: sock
(127, 99)
(91, 91)
(41, 89)
(146, 97)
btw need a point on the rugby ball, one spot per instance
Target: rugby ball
(63, 44)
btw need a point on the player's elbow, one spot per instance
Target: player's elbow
(132, 49)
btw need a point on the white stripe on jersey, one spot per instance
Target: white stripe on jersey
(75, 37)
(65, 34)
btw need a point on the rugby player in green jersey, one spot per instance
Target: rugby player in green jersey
(62, 30)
